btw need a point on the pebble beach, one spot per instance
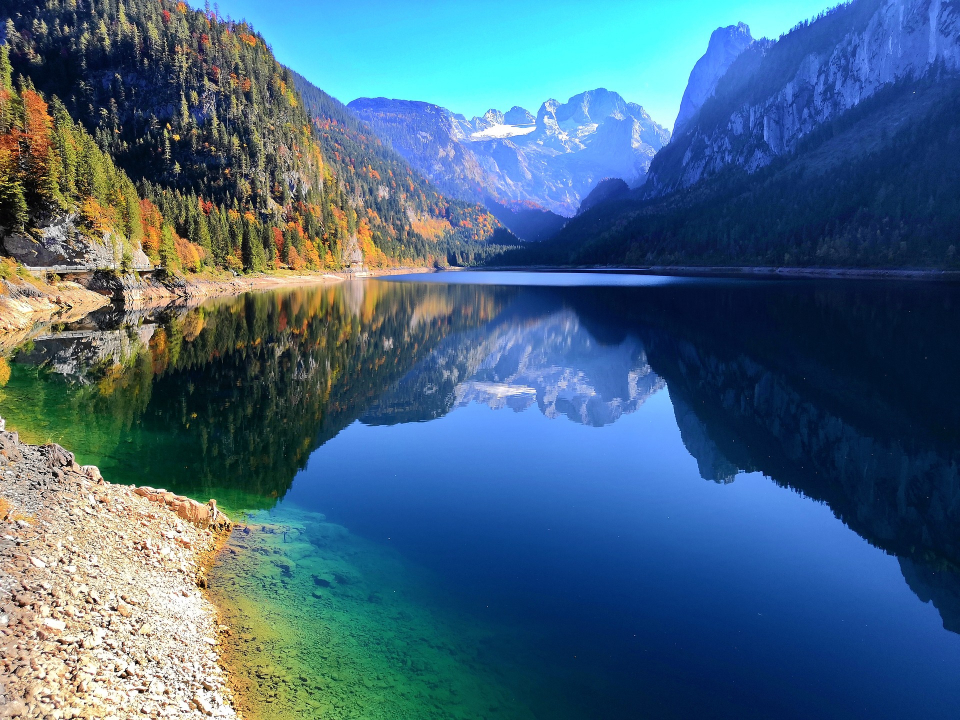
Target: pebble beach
(102, 611)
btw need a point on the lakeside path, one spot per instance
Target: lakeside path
(101, 612)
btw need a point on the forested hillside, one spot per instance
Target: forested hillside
(399, 193)
(197, 111)
(879, 187)
(49, 164)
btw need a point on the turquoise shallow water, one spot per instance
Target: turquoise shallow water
(577, 499)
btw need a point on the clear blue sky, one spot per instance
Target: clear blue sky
(471, 56)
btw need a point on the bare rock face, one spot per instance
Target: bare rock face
(57, 457)
(725, 46)
(776, 93)
(61, 244)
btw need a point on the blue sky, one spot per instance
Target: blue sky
(471, 56)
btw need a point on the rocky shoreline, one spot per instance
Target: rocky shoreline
(24, 303)
(101, 612)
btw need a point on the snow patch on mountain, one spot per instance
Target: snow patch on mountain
(502, 131)
(552, 160)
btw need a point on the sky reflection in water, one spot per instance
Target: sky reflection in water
(563, 496)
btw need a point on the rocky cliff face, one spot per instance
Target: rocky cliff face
(553, 160)
(61, 244)
(725, 46)
(775, 94)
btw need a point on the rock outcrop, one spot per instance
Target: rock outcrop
(61, 244)
(205, 516)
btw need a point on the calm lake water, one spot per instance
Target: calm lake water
(504, 495)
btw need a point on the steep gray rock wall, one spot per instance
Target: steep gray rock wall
(62, 245)
(725, 46)
(844, 64)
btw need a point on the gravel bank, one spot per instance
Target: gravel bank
(101, 615)
(24, 304)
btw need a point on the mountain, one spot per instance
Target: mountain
(528, 221)
(775, 95)
(553, 159)
(197, 112)
(428, 136)
(836, 145)
(606, 190)
(400, 195)
(518, 116)
(725, 46)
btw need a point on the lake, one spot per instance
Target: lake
(556, 496)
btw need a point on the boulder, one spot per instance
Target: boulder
(205, 516)
(56, 456)
(10, 446)
(194, 512)
(92, 472)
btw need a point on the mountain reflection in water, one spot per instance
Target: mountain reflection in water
(844, 392)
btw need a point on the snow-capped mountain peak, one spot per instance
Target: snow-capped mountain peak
(553, 160)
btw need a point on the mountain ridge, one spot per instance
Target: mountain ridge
(553, 161)
(196, 110)
(834, 146)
